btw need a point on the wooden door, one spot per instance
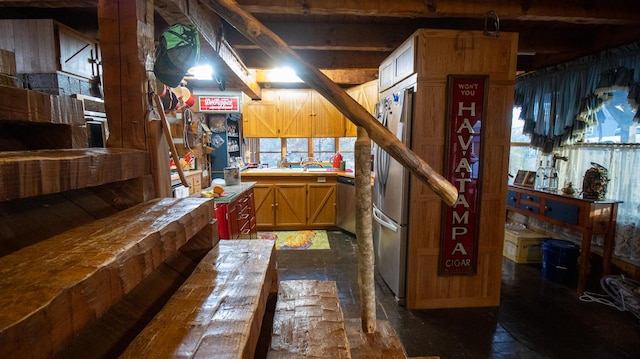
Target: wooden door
(259, 119)
(291, 202)
(294, 113)
(327, 120)
(322, 204)
(366, 95)
(264, 204)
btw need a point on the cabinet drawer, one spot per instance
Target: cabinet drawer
(561, 211)
(511, 198)
(529, 198)
(530, 208)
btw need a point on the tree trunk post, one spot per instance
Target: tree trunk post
(364, 234)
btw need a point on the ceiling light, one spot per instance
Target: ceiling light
(200, 72)
(282, 74)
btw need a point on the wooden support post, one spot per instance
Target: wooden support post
(364, 233)
(126, 39)
(270, 43)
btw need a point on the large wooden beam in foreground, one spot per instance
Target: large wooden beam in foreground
(278, 49)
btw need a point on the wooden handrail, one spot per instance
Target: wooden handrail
(270, 43)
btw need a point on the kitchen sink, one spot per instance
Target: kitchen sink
(275, 169)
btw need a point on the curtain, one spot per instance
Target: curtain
(622, 163)
(561, 102)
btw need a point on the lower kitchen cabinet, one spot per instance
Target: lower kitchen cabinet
(237, 219)
(321, 204)
(295, 205)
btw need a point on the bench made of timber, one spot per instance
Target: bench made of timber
(218, 310)
(308, 321)
(53, 289)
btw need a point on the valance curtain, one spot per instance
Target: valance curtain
(561, 102)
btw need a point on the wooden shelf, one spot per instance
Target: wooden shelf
(25, 174)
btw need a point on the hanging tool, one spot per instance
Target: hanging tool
(167, 136)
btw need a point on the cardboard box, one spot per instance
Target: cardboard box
(523, 246)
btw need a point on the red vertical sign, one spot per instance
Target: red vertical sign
(465, 113)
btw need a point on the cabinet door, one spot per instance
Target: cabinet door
(327, 121)
(264, 204)
(294, 113)
(291, 202)
(367, 96)
(259, 119)
(322, 204)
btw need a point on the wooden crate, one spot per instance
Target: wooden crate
(523, 246)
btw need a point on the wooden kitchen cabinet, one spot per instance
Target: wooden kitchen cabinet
(321, 204)
(292, 113)
(280, 205)
(366, 95)
(290, 204)
(264, 200)
(295, 113)
(294, 205)
(326, 119)
(259, 119)
(237, 219)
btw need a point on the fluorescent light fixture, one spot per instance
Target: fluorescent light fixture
(201, 72)
(282, 74)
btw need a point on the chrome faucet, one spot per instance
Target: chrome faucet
(309, 162)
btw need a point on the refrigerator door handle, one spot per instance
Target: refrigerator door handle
(379, 217)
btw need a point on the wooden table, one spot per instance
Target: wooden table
(586, 216)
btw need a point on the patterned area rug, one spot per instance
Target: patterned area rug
(298, 240)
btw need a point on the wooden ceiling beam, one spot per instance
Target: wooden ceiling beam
(613, 12)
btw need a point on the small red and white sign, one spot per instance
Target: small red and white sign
(226, 104)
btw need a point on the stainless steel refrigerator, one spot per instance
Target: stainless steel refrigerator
(390, 193)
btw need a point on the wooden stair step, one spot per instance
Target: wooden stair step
(26, 174)
(218, 310)
(383, 344)
(308, 322)
(53, 289)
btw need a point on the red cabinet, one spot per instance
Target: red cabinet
(237, 218)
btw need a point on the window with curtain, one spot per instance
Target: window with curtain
(562, 104)
(587, 111)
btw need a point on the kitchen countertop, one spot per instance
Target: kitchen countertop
(233, 191)
(294, 172)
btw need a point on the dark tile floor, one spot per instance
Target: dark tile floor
(537, 318)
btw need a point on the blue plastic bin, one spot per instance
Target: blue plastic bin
(560, 260)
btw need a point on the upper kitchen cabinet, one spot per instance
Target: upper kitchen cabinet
(398, 66)
(292, 113)
(259, 118)
(295, 111)
(367, 96)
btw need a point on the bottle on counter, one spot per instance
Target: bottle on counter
(553, 180)
(547, 175)
(539, 177)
